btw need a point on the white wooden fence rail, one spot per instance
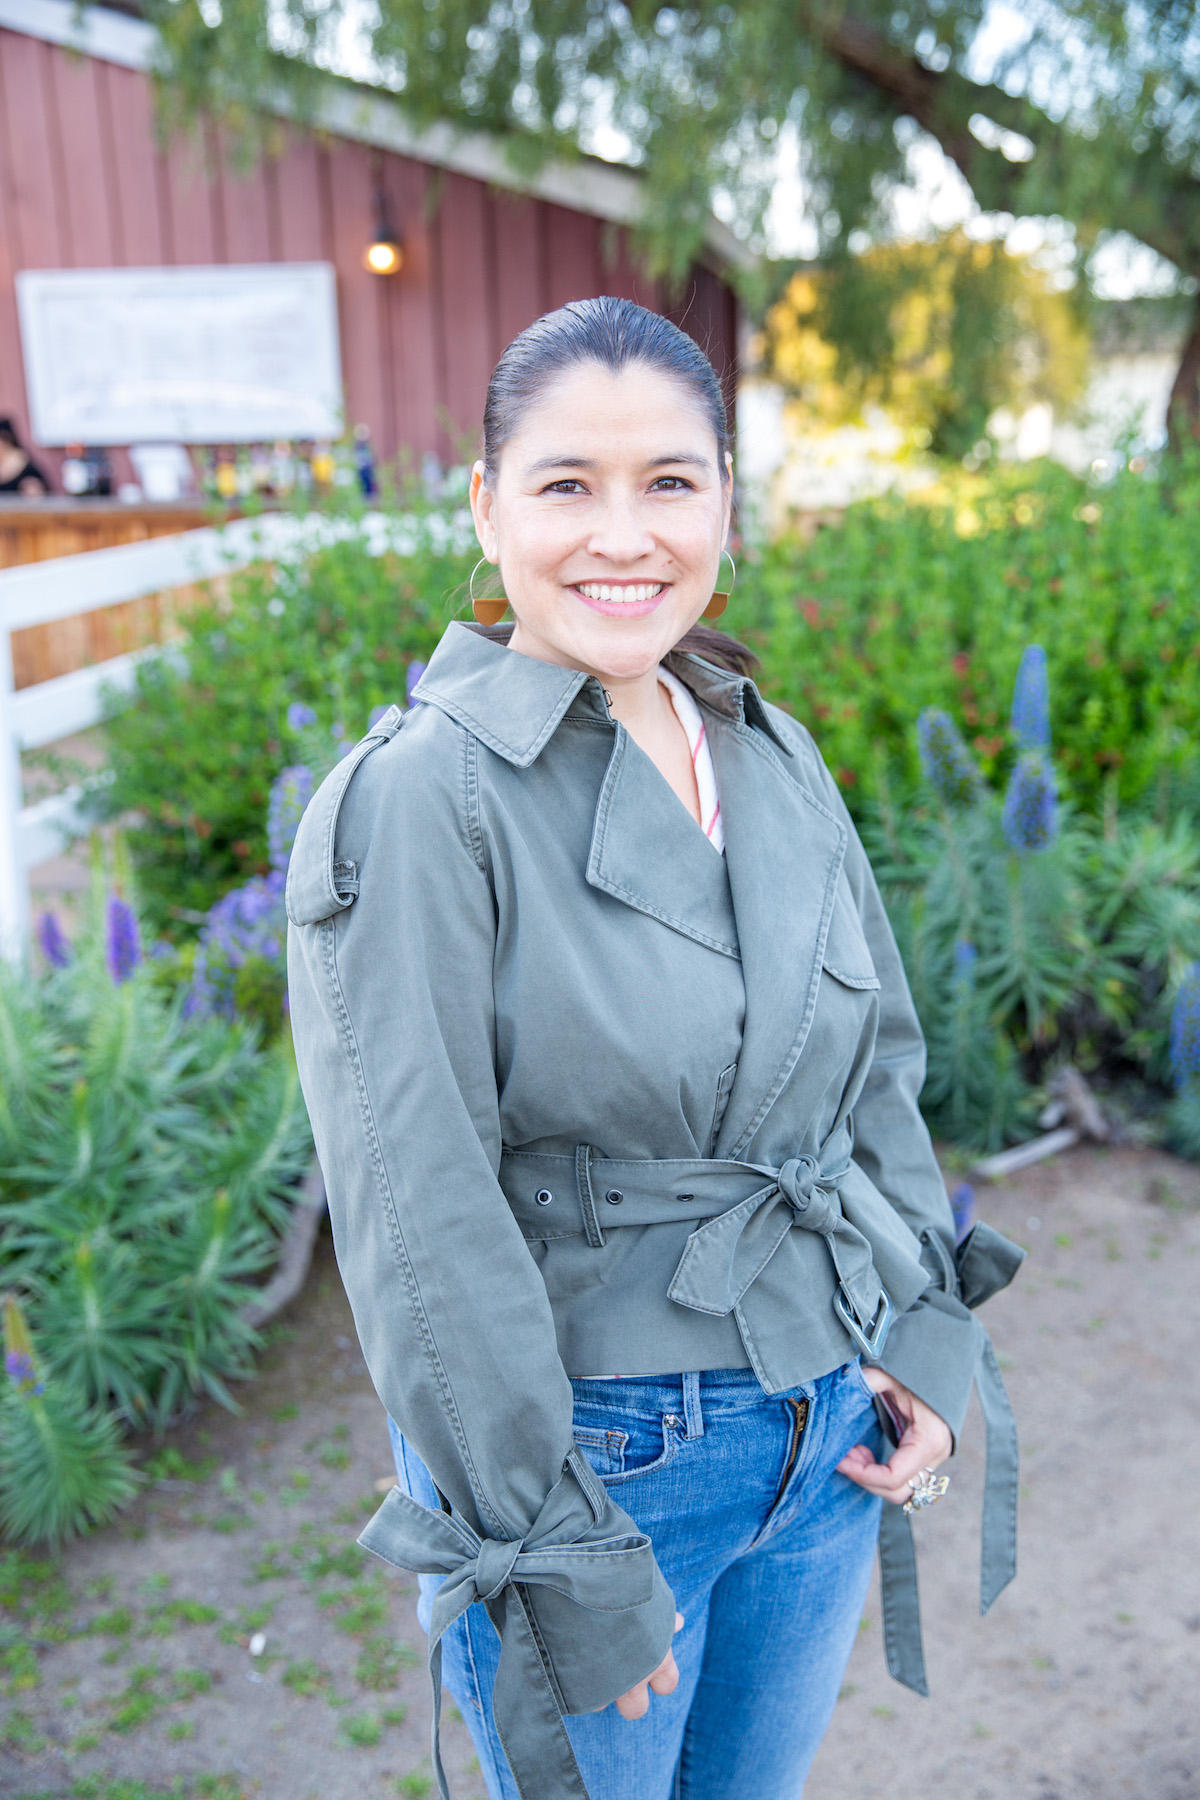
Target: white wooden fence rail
(63, 586)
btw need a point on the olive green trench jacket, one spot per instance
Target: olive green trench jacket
(590, 1098)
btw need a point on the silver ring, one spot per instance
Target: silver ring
(927, 1490)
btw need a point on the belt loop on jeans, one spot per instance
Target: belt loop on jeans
(693, 1417)
(587, 1200)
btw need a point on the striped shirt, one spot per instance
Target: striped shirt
(688, 714)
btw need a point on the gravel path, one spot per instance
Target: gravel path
(129, 1668)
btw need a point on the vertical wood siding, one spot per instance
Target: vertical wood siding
(85, 183)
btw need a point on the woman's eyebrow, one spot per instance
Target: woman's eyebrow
(586, 462)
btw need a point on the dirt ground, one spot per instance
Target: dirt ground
(130, 1664)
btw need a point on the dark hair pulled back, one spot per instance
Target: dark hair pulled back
(615, 334)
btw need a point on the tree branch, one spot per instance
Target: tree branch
(1151, 200)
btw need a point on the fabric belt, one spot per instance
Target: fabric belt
(743, 1211)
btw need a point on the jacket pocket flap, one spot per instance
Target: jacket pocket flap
(847, 956)
(319, 882)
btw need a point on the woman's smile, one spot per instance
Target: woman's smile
(626, 599)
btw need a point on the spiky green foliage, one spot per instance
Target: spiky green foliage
(63, 1466)
(147, 1165)
(1076, 953)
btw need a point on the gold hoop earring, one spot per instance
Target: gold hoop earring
(488, 611)
(720, 599)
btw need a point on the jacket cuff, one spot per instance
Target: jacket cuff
(934, 1349)
(595, 1655)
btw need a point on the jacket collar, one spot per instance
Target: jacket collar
(514, 704)
(768, 901)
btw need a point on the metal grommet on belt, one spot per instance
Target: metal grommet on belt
(543, 1196)
(614, 1196)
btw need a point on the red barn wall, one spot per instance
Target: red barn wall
(84, 183)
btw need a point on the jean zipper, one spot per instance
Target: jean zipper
(799, 1425)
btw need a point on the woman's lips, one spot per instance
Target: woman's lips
(621, 599)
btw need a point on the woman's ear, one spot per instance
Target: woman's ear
(483, 503)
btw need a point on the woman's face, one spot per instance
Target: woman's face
(607, 516)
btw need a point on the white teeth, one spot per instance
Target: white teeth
(623, 595)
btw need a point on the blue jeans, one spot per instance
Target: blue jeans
(768, 1552)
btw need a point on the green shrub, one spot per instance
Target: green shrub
(931, 601)
(195, 753)
(147, 1166)
(1033, 935)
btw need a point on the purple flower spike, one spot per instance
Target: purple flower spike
(18, 1366)
(962, 1205)
(290, 794)
(1031, 701)
(300, 716)
(122, 940)
(1031, 804)
(1185, 1030)
(415, 672)
(945, 759)
(51, 941)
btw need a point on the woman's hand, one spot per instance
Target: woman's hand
(926, 1442)
(665, 1679)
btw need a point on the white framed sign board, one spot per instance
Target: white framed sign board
(233, 354)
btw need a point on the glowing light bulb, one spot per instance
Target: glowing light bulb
(384, 257)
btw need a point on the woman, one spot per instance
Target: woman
(613, 1075)
(19, 474)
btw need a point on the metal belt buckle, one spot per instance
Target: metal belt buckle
(870, 1344)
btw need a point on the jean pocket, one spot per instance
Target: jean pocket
(648, 1447)
(603, 1447)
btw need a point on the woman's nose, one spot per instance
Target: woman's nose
(619, 534)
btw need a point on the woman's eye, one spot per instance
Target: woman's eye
(568, 485)
(672, 484)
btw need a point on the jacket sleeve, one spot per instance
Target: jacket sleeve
(934, 1347)
(390, 981)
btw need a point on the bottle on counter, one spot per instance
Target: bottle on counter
(226, 476)
(322, 467)
(73, 474)
(364, 460)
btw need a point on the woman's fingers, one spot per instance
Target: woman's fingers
(665, 1679)
(636, 1703)
(926, 1443)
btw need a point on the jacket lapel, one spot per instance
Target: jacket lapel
(648, 852)
(784, 851)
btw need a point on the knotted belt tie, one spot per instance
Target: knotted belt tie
(747, 1210)
(526, 1702)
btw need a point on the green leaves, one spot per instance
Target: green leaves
(930, 602)
(63, 1468)
(146, 1171)
(195, 755)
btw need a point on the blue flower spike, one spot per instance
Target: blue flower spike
(291, 792)
(947, 763)
(1185, 1031)
(52, 941)
(122, 940)
(962, 1205)
(1031, 804)
(1031, 701)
